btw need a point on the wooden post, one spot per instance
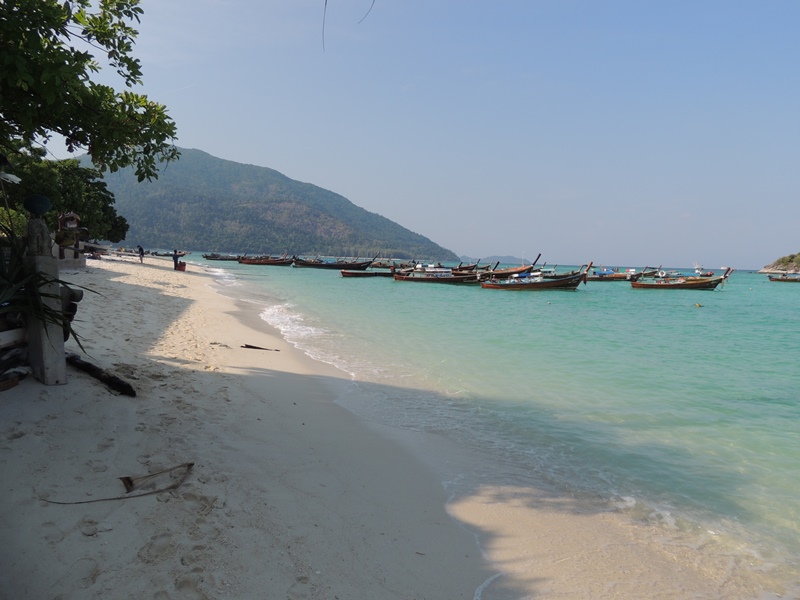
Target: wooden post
(45, 340)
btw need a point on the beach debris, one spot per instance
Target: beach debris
(174, 475)
(115, 383)
(251, 347)
(12, 377)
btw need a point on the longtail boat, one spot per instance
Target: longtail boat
(786, 277)
(603, 274)
(216, 256)
(507, 272)
(435, 274)
(532, 282)
(318, 263)
(683, 283)
(650, 273)
(462, 269)
(278, 261)
(383, 273)
(386, 263)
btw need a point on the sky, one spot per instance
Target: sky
(623, 132)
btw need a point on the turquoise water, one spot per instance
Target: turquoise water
(686, 416)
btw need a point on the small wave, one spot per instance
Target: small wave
(289, 323)
(222, 276)
(311, 340)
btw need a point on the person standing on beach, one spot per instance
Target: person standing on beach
(175, 258)
(141, 253)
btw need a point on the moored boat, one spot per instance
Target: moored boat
(604, 274)
(507, 272)
(388, 263)
(435, 274)
(350, 273)
(533, 282)
(216, 256)
(650, 273)
(318, 263)
(683, 283)
(700, 271)
(277, 261)
(787, 277)
(462, 269)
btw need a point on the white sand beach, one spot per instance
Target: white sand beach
(290, 496)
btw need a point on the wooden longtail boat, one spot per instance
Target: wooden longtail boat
(505, 273)
(462, 269)
(349, 273)
(650, 273)
(700, 271)
(215, 256)
(435, 275)
(794, 278)
(318, 263)
(683, 283)
(278, 261)
(385, 263)
(570, 281)
(603, 274)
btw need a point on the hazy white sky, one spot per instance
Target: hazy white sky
(623, 132)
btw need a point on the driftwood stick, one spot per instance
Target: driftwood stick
(260, 348)
(112, 381)
(132, 483)
(173, 486)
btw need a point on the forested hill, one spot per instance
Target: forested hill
(205, 203)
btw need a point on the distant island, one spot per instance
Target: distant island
(785, 264)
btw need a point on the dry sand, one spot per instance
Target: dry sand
(290, 495)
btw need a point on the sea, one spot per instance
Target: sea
(678, 408)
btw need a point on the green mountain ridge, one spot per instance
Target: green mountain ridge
(206, 203)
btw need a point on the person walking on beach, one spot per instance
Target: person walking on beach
(175, 258)
(141, 253)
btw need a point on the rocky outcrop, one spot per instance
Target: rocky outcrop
(786, 264)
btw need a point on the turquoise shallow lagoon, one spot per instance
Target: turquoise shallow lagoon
(684, 416)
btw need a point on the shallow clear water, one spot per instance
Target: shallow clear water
(688, 413)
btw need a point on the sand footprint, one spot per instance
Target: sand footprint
(189, 585)
(80, 575)
(104, 445)
(52, 533)
(159, 547)
(196, 554)
(88, 527)
(96, 466)
(15, 434)
(201, 529)
(203, 504)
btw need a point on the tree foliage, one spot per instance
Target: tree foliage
(70, 187)
(46, 87)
